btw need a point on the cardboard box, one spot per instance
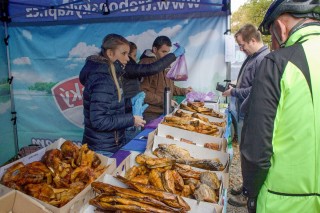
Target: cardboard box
(17, 202)
(219, 134)
(211, 119)
(4, 190)
(80, 199)
(214, 106)
(198, 138)
(195, 151)
(195, 207)
(203, 207)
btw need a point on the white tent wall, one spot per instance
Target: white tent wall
(46, 60)
(7, 147)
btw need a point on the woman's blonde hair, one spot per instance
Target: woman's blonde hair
(112, 41)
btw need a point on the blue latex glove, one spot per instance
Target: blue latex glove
(140, 95)
(179, 51)
(137, 104)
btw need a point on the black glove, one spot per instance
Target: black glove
(252, 204)
(252, 201)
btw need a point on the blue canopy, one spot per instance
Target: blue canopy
(53, 11)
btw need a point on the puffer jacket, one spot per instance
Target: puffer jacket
(154, 86)
(105, 118)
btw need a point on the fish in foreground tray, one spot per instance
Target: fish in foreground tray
(208, 164)
(205, 193)
(168, 198)
(147, 189)
(145, 202)
(116, 203)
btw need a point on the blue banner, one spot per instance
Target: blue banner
(64, 10)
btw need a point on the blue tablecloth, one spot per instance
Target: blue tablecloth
(139, 142)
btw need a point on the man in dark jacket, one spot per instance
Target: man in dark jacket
(249, 40)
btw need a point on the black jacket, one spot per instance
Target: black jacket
(131, 86)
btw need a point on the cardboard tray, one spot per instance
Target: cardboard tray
(195, 207)
(214, 106)
(195, 151)
(220, 132)
(80, 199)
(198, 138)
(211, 119)
(17, 202)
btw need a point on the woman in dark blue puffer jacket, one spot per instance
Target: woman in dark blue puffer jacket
(106, 113)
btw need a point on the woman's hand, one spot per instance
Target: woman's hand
(138, 121)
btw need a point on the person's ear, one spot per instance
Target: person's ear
(282, 29)
(253, 40)
(109, 53)
(154, 49)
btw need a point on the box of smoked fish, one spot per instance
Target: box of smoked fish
(58, 176)
(164, 181)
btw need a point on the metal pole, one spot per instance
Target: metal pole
(228, 74)
(10, 80)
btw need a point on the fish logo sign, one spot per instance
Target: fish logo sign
(68, 97)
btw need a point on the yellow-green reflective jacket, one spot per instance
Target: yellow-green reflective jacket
(281, 147)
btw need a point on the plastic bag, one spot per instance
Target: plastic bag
(200, 96)
(179, 70)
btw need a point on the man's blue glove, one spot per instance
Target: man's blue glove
(137, 104)
(179, 51)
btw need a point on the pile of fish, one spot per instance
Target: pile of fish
(166, 175)
(182, 156)
(137, 198)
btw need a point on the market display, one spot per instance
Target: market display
(175, 174)
(58, 177)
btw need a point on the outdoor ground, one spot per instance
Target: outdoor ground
(235, 178)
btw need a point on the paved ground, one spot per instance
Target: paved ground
(235, 178)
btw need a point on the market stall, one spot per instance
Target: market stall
(141, 164)
(46, 43)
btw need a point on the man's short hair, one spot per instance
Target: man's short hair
(249, 31)
(161, 40)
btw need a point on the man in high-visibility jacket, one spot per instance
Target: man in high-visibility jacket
(280, 152)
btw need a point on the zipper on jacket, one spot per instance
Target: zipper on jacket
(116, 138)
(293, 195)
